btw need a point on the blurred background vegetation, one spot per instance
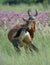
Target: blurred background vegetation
(29, 2)
(21, 5)
(8, 55)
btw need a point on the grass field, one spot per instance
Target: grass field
(8, 55)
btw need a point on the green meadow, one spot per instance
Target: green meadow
(8, 55)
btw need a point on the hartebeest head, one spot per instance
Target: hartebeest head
(31, 21)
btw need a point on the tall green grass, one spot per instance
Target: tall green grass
(8, 55)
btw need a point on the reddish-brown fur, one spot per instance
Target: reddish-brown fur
(13, 31)
(31, 31)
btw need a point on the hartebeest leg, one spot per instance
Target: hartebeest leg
(30, 48)
(34, 48)
(15, 44)
(26, 49)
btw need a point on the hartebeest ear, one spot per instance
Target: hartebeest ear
(25, 20)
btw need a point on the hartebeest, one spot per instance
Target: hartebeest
(22, 35)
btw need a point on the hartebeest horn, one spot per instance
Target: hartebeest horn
(30, 16)
(36, 12)
(29, 12)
